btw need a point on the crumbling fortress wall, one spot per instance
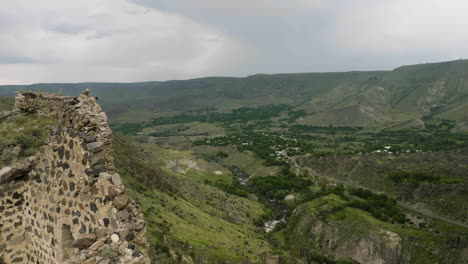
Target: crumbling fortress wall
(66, 204)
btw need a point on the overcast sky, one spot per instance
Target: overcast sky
(143, 40)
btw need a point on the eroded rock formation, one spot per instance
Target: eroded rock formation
(66, 204)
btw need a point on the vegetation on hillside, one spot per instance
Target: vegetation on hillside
(370, 98)
(331, 158)
(185, 217)
(21, 136)
(326, 225)
(6, 103)
(414, 179)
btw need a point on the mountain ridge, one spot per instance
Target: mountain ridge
(364, 98)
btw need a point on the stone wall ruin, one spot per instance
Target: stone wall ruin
(66, 204)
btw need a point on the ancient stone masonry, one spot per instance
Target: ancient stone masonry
(66, 204)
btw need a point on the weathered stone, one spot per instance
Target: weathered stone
(83, 228)
(93, 207)
(67, 154)
(123, 215)
(120, 201)
(63, 165)
(101, 233)
(89, 139)
(105, 176)
(116, 179)
(130, 236)
(84, 241)
(84, 159)
(105, 261)
(96, 245)
(50, 229)
(5, 174)
(106, 222)
(115, 238)
(61, 151)
(90, 260)
(115, 190)
(72, 132)
(15, 171)
(98, 168)
(95, 146)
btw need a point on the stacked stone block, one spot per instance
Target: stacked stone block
(71, 207)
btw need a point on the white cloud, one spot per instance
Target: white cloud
(140, 40)
(429, 28)
(107, 40)
(241, 8)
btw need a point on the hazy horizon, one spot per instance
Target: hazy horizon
(214, 76)
(142, 40)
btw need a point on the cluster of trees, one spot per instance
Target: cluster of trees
(436, 136)
(310, 195)
(415, 178)
(325, 129)
(241, 115)
(417, 140)
(432, 124)
(262, 144)
(278, 186)
(294, 115)
(234, 188)
(379, 206)
(222, 154)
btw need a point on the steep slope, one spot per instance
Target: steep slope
(187, 219)
(327, 225)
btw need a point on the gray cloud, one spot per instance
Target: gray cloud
(139, 40)
(16, 60)
(335, 35)
(67, 28)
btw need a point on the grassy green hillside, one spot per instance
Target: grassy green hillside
(6, 103)
(21, 135)
(348, 98)
(187, 218)
(432, 181)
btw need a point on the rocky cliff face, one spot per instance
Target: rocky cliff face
(66, 204)
(326, 225)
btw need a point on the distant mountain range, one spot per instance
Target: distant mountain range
(358, 98)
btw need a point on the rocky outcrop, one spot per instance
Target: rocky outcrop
(16, 170)
(311, 230)
(66, 204)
